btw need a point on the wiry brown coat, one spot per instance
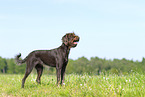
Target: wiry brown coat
(56, 58)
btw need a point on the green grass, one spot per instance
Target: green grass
(132, 85)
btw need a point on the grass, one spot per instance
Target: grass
(131, 85)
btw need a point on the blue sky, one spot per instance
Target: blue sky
(108, 28)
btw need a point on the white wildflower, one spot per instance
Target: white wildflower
(90, 88)
(63, 83)
(107, 78)
(33, 80)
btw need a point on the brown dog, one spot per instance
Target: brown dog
(56, 58)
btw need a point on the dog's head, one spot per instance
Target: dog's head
(70, 40)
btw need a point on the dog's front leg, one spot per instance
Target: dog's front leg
(58, 70)
(63, 73)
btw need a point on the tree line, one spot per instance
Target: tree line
(82, 65)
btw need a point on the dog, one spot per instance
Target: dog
(57, 58)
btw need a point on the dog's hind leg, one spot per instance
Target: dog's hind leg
(28, 71)
(39, 69)
(29, 68)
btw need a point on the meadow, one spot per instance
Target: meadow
(131, 85)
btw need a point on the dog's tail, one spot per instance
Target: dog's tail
(18, 61)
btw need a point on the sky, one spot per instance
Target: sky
(107, 28)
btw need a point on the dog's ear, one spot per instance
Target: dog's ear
(65, 39)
